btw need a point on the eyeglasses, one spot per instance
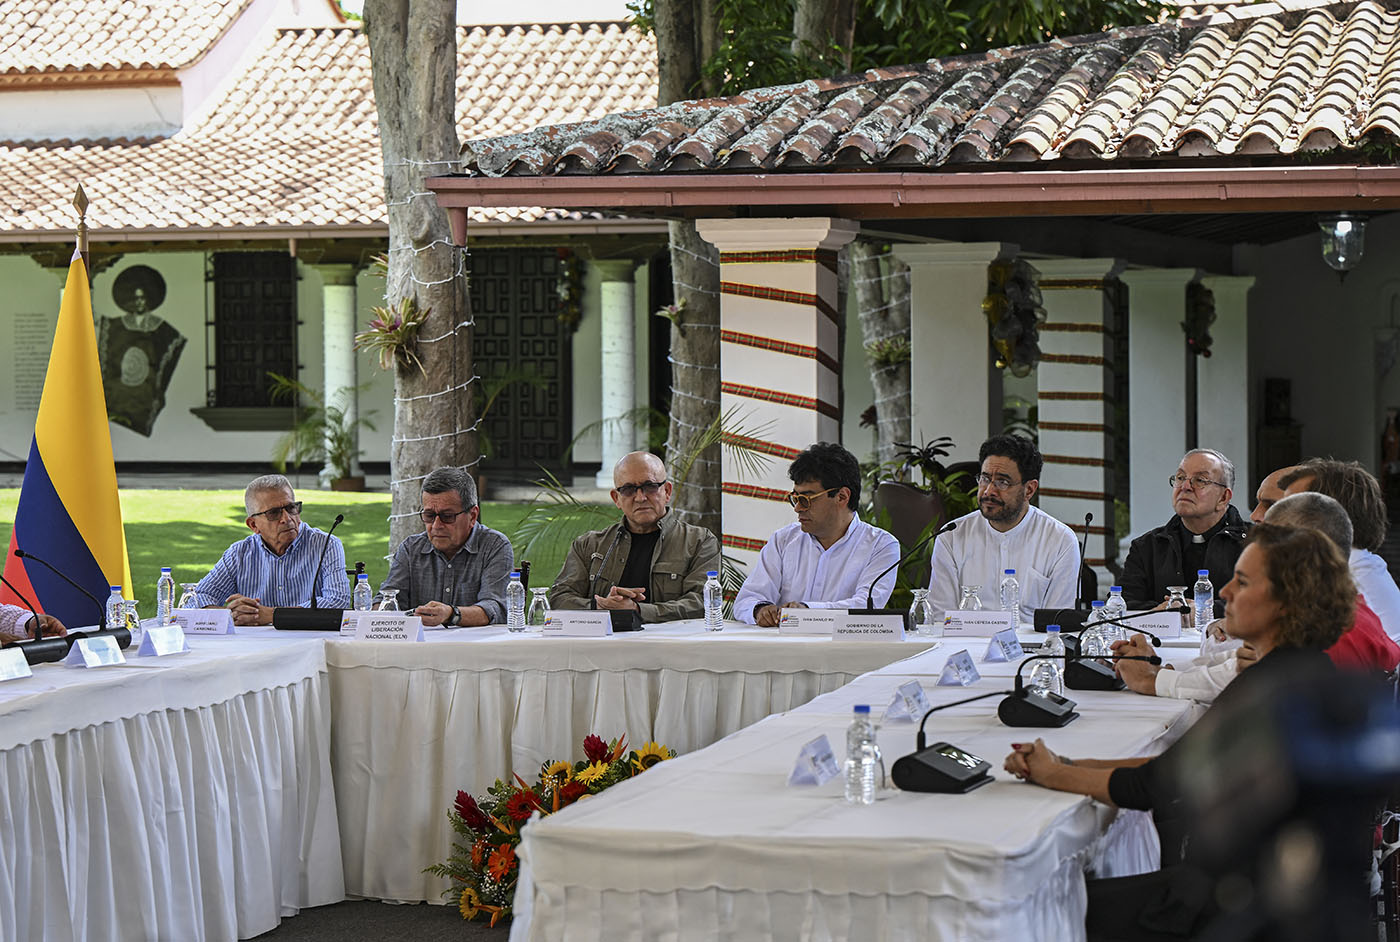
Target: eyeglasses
(446, 516)
(275, 513)
(803, 501)
(1197, 481)
(648, 488)
(999, 482)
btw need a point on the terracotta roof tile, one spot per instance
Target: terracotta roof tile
(294, 142)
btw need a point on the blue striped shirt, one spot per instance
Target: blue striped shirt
(249, 568)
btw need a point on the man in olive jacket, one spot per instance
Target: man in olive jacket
(650, 561)
(1205, 533)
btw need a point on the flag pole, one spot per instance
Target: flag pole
(80, 203)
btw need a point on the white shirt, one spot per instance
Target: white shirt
(793, 567)
(1373, 580)
(1041, 549)
(1203, 680)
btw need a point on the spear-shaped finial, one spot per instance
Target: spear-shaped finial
(80, 203)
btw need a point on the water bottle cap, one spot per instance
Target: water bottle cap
(164, 568)
(1011, 572)
(362, 577)
(1050, 628)
(115, 588)
(862, 708)
(1115, 588)
(515, 574)
(1096, 604)
(1202, 572)
(711, 575)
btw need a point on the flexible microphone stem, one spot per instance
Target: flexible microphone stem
(325, 545)
(920, 741)
(38, 622)
(593, 582)
(1123, 620)
(101, 609)
(1079, 576)
(947, 527)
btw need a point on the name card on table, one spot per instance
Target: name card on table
(909, 703)
(869, 628)
(578, 624)
(816, 764)
(160, 640)
(381, 626)
(13, 665)
(208, 621)
(959, 671)
(95, 652)
(1162, 624)
(976, 624)
(810, 621)
(1004, 646)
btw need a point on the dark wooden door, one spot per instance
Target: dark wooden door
(522, 352)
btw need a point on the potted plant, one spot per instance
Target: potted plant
(324, 431)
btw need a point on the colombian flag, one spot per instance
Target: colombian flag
(68, 513)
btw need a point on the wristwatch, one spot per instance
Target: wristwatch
(454, 618)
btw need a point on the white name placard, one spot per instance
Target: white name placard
(1161, 624)
(206, 621)
(381, 626)
(910, 703)
(809, 621)
(959, 671)
(816, 764)
(160, 640)
(1004, 646)
(869, 628)
(978, 624)
(578, 624)
(95, 652)
(13, 666)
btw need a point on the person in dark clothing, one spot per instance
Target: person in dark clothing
(1205, 533)
(1291, 597)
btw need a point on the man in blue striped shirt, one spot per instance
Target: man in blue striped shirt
(276, 565)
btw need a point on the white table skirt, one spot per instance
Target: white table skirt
(715, 846)
(185, 798)
(416, 722)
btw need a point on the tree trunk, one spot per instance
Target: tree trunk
(882, 298)
(818, 25)
(413, 55)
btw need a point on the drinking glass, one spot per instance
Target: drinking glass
(970, 601)
(538, 611)
(922, 617)
(188, 599)
(390, 600)
(1176, 595)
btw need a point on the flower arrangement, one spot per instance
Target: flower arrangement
(393, 334)
(483, 867)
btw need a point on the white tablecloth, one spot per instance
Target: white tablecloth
(416, 722)
(180, 798)
(714, 845)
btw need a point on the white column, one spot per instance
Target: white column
(339, 378)
(951, 373)
(1222, 382)
(618, 364)
(1157, 391)
(779, 357)
(1074, 384)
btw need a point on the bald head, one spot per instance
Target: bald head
(636, 466)
(1270, 492)
(1316, 512)
(641, 490)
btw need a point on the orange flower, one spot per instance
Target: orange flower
(479, 853)
(501, 862)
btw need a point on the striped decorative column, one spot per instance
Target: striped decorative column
(1076, 414)
(1222, 383)
(779, 358)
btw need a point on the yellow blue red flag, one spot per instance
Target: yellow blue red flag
(69, 514)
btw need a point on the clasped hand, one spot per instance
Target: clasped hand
(1030, 761)
(620, 598)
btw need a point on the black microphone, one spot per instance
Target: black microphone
(1026, 706)
(38, 625)
(593, 579)
(1083, 551)
(101, 609)
(38, 650)
(870, 608)
(942, 767)
(325, 545)
(1123, 619)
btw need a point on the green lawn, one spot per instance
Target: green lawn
(189, 530)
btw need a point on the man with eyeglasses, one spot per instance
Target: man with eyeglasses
(650, 561)
(1205, 533)
(454, 573)
(279, 564)
(829, 557)
(1006, 532)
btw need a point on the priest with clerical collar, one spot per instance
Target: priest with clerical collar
(1205, 533)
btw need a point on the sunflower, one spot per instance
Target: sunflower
(470, 903)
(557, 773)
(501, 862)
(592, 773)
(650, 754)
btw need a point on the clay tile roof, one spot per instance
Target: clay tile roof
(1235, 80)
(64, 35)
(294, 142)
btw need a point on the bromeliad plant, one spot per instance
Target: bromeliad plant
(483, 867)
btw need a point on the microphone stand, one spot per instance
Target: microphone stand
(942, 767)
(101, 609)
(1073, 618)
(870, 608)
(325, 545)
(623, 619)
(312, 617)
(38, 650)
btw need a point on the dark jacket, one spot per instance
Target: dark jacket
(1154, 562)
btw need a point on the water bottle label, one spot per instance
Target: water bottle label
(816, 764)
(910, 703)
(206, 621)
(95, 652)
(578, 624)
(1004, 646)
(13, 665)
(983, 624)
(160, 640)
(809, 621)
(381, 626)
(959, 671)
(869, 628)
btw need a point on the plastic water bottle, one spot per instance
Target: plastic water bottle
(1011, 595)
(165, 597)
(714, 602)
(1047, 677)
(1093, 642)
(862, 758)
(116, 609)
(515, 602)
(922, 618)
(1204, 594)
(1115, 608)
(363, 596)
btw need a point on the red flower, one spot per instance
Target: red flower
(520, 805)
(571, 792)
(479, 853)
(501, 862)
(468, 811)
(595, 749)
